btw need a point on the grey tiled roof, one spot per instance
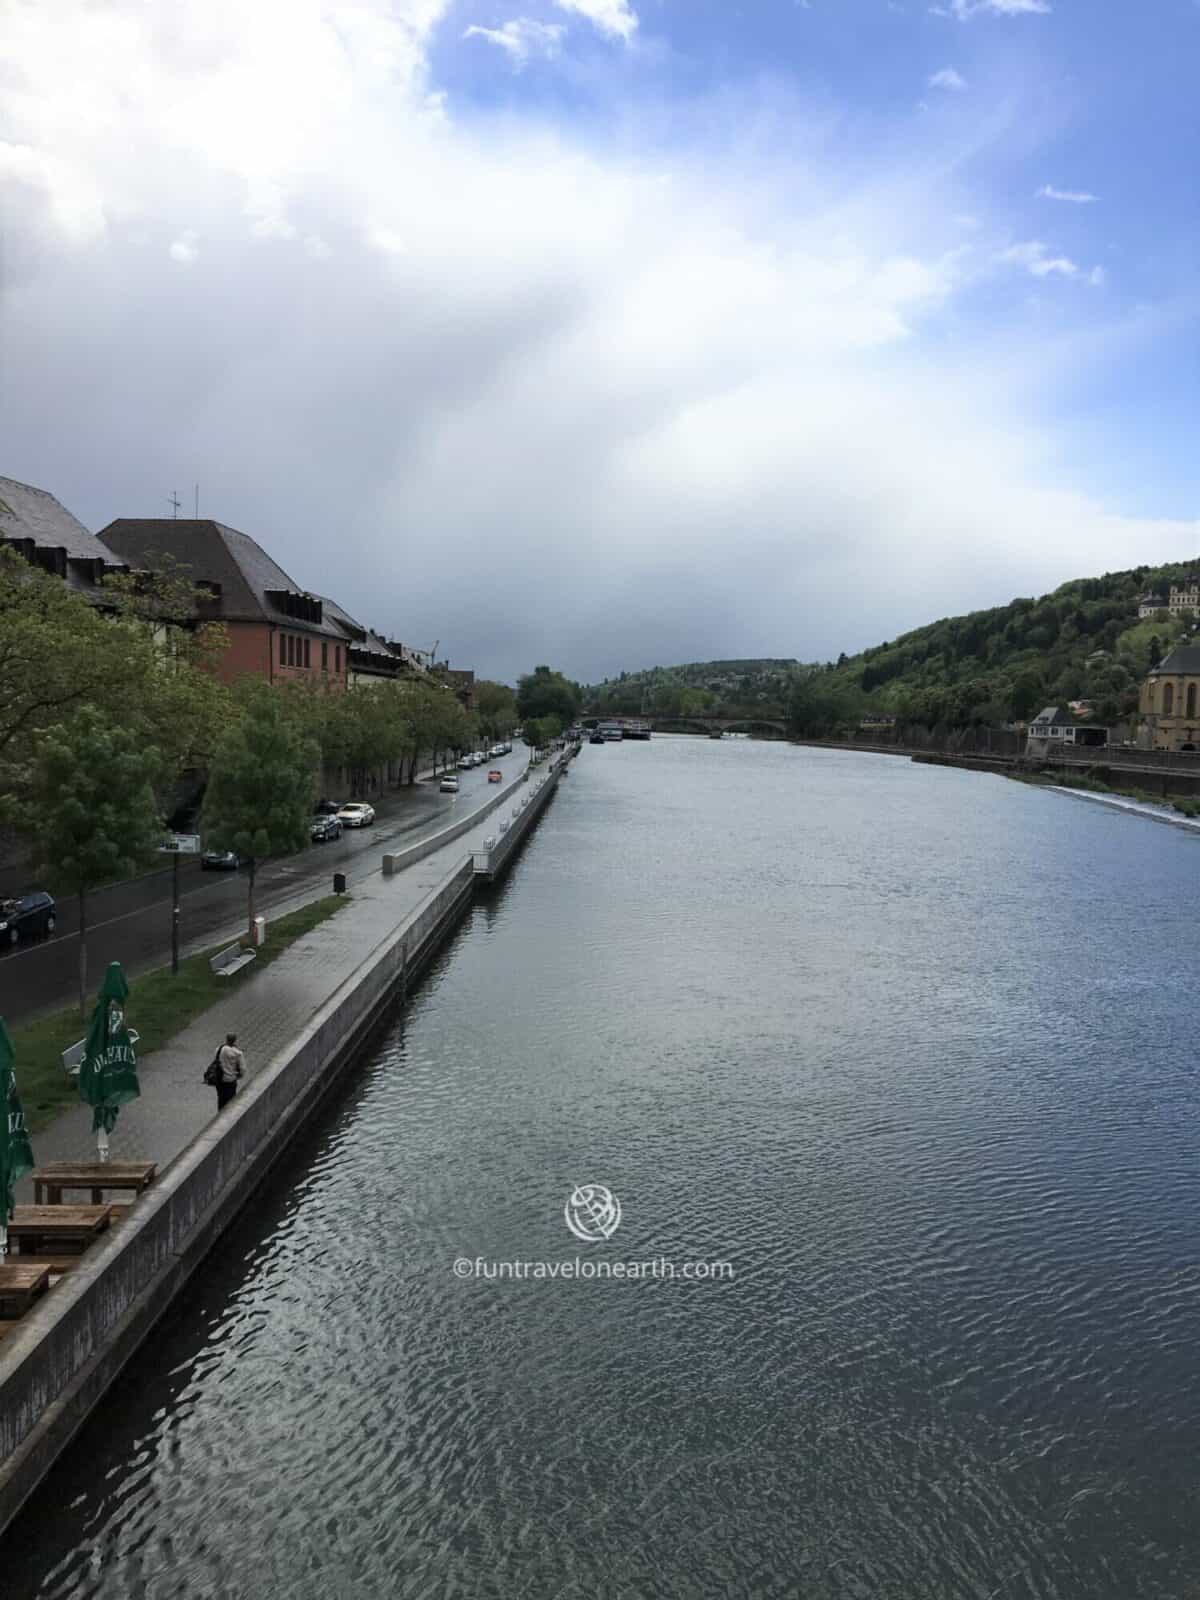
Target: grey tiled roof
(1184, 658)
(29, 513)
(215, 553)
(1057, 716)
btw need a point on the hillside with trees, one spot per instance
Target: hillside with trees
(988, 668)
(1082, 642)
(714, 688)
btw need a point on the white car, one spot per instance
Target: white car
(496, 750)
(449, 784)
(357, 814)
(465, 763)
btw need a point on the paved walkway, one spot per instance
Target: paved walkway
(266, 1010)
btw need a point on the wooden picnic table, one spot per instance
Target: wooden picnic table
(20, 1287)
(50, 1180)
(69, 1229)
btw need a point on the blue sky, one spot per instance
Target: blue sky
(1070, 124)
(616, 333)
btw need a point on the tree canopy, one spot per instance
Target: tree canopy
(543, 693)
(261, 785)
(89, 808)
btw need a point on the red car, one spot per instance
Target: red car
(495, 775)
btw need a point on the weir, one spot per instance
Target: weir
(57, 1365)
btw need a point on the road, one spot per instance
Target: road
(131, 922)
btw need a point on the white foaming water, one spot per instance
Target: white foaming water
(1138, 808)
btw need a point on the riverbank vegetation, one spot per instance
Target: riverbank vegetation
(115, 725)
(1084, 641)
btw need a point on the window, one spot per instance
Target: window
(283, 649)
(1191, 700)
(324, 655)
(1168, 699)
(337, 658)
(308, 652)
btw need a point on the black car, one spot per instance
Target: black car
(328, 808)
(27, 916)
(323, 828)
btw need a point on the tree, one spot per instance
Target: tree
(534, 734)
(57, 652)
(260, 788)
(496, 705)
(820, 704)
(90, 810)
(542, 693)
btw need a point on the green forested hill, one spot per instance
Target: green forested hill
(1083, 642)
(718, 687)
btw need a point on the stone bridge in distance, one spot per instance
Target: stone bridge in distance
(765, 727)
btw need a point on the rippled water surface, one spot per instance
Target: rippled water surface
(913, 1049)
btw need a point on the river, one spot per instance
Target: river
(912, 1050)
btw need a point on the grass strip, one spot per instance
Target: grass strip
(159, 1007)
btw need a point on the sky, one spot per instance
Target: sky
(614, 333)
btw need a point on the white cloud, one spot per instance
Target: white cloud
(964, 10)
(522, 38)
(947, 78)
(1033, 256)
(184, 248)
(1097, 277)
(543, 393)
(613, 17)
(1075, 197)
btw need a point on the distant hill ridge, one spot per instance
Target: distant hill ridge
(1083, 641)
(697, 688)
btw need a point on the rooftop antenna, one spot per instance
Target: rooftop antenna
(174, 502)
(197, 513)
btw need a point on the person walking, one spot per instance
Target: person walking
(231, 1064)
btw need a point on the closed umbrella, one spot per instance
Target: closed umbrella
(16, 1158)
(108, 1073)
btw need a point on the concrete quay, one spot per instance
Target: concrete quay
(301, 1023)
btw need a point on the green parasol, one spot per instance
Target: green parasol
(108, 1073)
(16, 1158)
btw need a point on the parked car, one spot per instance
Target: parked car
(465, 763)
(356, 814)
(220, 861)
(327, 808)
(449, 784)
(325, 827)
(496, 750)
(27, 916)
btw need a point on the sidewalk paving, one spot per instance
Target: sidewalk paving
(266, 1010)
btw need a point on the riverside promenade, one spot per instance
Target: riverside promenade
(301, 1022)
(266, 1010)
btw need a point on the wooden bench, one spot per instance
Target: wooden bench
(230, 961)
(20, 1286)
(127, 1177)
(67, 1229)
